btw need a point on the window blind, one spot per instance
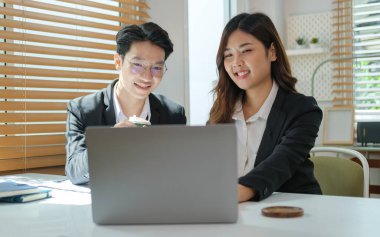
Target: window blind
(51, 52)
(366, 29)
(342, 54)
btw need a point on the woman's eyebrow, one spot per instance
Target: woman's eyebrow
(240, 46)
(245, 44)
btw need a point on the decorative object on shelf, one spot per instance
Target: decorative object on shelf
(301, 43)
(306, 51)
(314, 43)
(338, 126)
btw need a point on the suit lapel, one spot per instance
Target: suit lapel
(109, 110)
(273, 128)
(155, 109)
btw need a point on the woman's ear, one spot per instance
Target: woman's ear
(117, 61)
(272, 53)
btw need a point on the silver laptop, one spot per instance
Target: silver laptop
(163, 174)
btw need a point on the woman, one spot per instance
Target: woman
(276, 126)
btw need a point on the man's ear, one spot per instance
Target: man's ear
(117, 61)
(272, 53)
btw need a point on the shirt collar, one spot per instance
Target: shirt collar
(120, 116)
(264, 110)
(267, 106)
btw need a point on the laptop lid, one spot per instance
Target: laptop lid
(163, 174)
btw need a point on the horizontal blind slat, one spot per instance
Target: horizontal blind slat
(343, 76)
(11, 129)
(52, 51)
(54, 40)
(53, 95)
(345, 54)
(19, 152)
(342, 91)
(20, 141)
(35, 83)
(34, 162)
(32, 117)
(347, 98)
(345, 68)
(54, 62)
(19, 106)
(12, 164)
(343, 24)
(45, 161)
(340, 83)
(37, 72)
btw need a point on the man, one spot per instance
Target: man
(140, 60)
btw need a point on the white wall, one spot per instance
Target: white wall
(295, 7)
(171, 15)
(272, 8)
(206, 23)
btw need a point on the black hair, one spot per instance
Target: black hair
(145, 32)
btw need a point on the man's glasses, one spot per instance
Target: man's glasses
(140, 67)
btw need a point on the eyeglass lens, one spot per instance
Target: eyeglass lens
(140, 67)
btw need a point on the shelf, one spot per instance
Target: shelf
(294, 52)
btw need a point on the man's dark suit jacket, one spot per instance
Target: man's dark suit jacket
(282, 162)
(98, 110)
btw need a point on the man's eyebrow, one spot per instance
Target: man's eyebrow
(158, 62)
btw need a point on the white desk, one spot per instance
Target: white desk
(68, 214)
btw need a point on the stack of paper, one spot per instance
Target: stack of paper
(17, 192)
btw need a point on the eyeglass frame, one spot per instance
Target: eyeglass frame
(135, 69)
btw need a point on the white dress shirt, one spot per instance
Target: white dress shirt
(250, 132)
(120, 116)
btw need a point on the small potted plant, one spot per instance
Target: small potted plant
(314, 42)
(301, 43)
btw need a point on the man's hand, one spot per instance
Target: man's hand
(245, 193)
(124, 123)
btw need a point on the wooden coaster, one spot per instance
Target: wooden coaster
(282, 211)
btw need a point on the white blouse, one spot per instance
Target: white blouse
(250, 132)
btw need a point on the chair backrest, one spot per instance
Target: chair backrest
(337, 174)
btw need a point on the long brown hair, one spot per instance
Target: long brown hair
(227, 92)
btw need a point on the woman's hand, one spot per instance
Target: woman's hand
(245, 193)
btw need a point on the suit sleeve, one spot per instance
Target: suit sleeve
(76, 152)
(182, 116)
(293, 148)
